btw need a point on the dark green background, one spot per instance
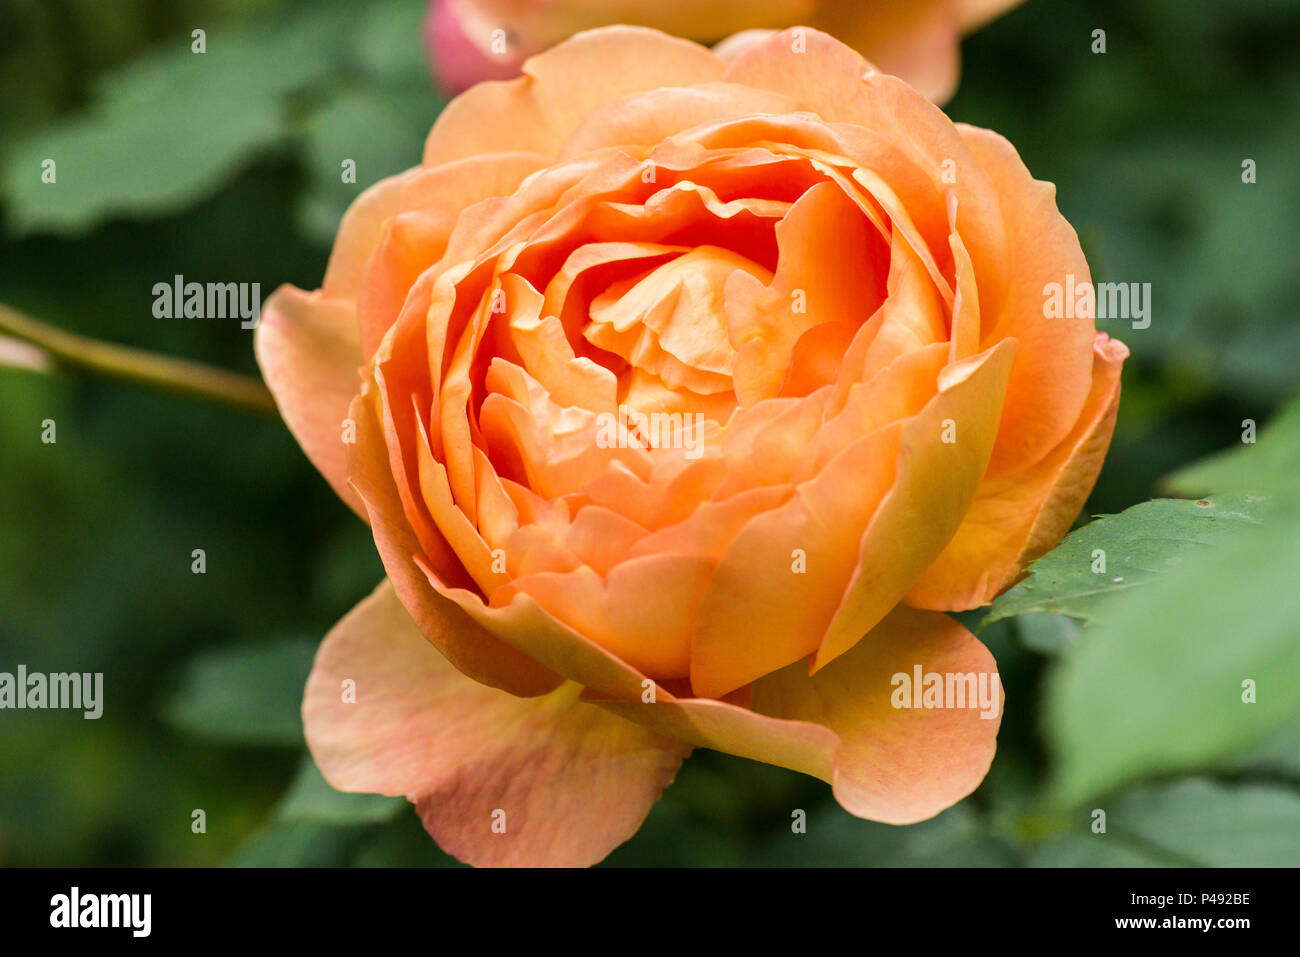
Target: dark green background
(225, 168)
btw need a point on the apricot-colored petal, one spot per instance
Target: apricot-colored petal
(822, 74)
(826, 273)
(916, 40)
(1016, 518)
(359, 234)
(471, 648)
(496, 779)
(309, 350)
(642, 611)
(946, 449)
(413, 234)
(538, 111)
(1053, 372)
(886, 764)
(783, 576)
(803, 746)
(647, 117)
(896, 764)
(532, 631)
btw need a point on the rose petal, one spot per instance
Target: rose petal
(1053, 372)
(566, 780)
(538, 111)
(886, 764)
(1016, 518)
(935, 484)
(897, 765)
(309, 350)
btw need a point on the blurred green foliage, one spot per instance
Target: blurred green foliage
(226, 166)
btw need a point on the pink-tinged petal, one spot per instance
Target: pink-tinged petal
(893, 764)
(457, 60)
(538, 111)
(18, 354)
(887, 764)
(497, 780)
(309, 350)
(1016, 518)
(471, 648)
(975, 13)
(935, 485)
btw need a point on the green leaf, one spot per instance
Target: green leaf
(298, 844)
(1267, 467)
(1192, 822)
(168, 129)
(248, 694)
(379, 129)
(311, 798)
(1047, 633)
(1158, 686)
(1141, 545)
(390, 40)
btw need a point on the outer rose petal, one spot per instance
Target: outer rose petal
(894, 765)
(309, 349)
(1015, 519)
(887, 764)
(573, 780)
(1051, 382)
(915, 38)
(537, 112)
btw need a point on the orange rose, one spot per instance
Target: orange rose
(678, 376)
(474, 40)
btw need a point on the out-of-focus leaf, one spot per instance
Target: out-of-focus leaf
(1187, 823)
(169, 128)
(248, 694)
(1141, 545)
(1192, 668)
(390, 40)
(1048, 633)
(380, 131)
(298, 844)
(1277, 755)
(1269, 466)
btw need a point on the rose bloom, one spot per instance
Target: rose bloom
(683, 394)
(473, 40)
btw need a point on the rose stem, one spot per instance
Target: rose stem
(136, 365)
